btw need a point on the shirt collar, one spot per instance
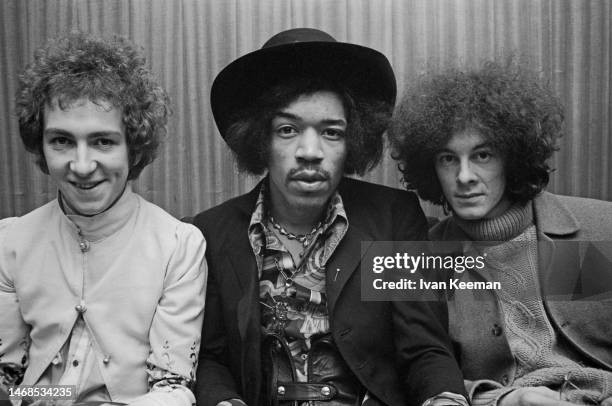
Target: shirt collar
(335, 211)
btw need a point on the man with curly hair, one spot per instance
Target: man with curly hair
(285, 322)
(101, 292)
(478, 142)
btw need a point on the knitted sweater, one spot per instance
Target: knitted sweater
(541, 359)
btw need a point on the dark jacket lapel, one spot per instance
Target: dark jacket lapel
(348, 254)
(240, 256)
(343, 263)
(558, 261)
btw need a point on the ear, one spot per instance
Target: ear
(135, 158)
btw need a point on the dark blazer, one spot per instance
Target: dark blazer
(575, 270)
(400, 351)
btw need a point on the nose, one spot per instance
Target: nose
(466, 174)
(83, 163)
(309, 146)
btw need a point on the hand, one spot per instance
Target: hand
(535, 396)
(606, 402)
(232, 402)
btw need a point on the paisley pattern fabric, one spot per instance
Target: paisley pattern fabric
(292, 295)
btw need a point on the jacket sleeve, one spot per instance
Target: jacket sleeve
(176, 327)
(426, 364)
(215, 381)
(14, 333)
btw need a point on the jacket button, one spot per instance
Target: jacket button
(496, 330)
(84, 246)
(80, 308)
(281, 390)
(106, 360)
(325, 391)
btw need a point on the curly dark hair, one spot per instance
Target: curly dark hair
(78, 66)
(249, 134)
(507, 103)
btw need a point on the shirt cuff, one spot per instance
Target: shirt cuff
(446, 399)
(488, 393)
(231, 402)
(177, 396)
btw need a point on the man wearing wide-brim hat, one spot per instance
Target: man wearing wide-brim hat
(284, 322)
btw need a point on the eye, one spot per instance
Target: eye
(286, 131)
(333, 134)
(483, 156)
(104, 143)
(445, 159)
(60, 142)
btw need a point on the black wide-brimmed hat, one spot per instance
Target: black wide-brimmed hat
(300, 52)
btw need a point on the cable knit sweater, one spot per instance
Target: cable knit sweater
(541, 359)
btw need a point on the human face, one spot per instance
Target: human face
(472, 176)
(87, 155)
(307, 151)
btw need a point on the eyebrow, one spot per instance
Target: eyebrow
(479, 146)
(59, 131)
(328, 121)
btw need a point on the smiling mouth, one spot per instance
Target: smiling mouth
(85, 185)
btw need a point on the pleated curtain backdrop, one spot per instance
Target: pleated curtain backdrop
(188, 42)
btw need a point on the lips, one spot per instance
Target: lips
(304, 177)
(86, 185)
(468, 195)
(308, 180)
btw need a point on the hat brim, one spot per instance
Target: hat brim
(364, 71)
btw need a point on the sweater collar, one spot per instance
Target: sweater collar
(501, 228)
(100, 226)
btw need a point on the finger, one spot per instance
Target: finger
(537, 396)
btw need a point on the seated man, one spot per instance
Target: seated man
(101, 292)
(478, 142)
(285, 322)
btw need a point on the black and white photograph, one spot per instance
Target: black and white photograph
(306, 202)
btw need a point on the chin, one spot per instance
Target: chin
(309, 202)
(87, 209)
(469, 214)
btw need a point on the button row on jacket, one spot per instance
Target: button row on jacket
(84, 245)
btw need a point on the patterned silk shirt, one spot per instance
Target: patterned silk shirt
(292, 295)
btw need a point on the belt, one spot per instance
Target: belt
(330, 380)
(305, 391)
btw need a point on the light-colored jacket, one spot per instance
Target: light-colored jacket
(140, 282)
(586, 325)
